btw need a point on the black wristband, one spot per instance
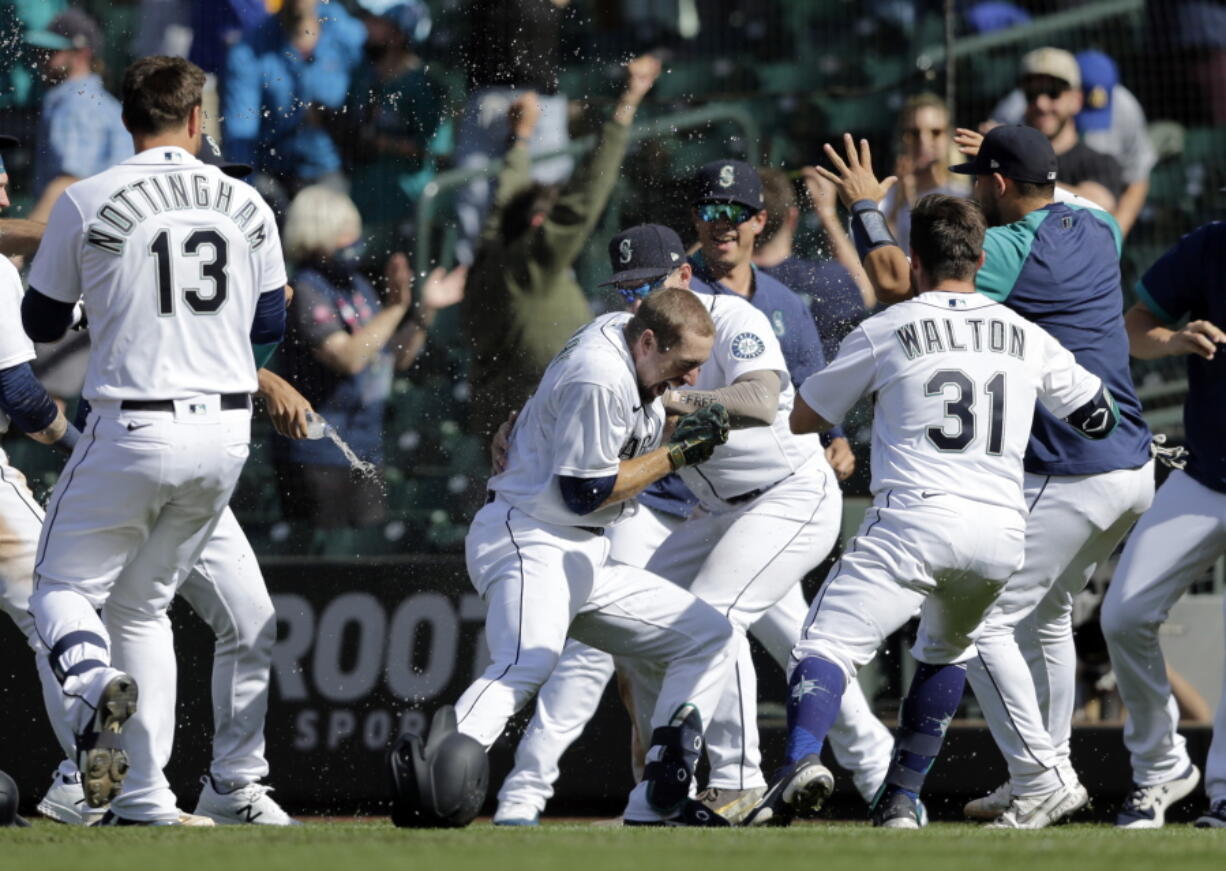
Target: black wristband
(869, 228)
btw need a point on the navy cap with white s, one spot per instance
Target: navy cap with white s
(1015, 151)
(644, 253)
(728, 181)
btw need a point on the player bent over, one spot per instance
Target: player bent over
(170, 377)
(955, 377)
(586, 443)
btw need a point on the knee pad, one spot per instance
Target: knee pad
(439, 783)
(674, 753)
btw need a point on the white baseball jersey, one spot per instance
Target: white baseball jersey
(15, 346)
(585, 417)
(171, 255)
(955, 377)
(758, 456)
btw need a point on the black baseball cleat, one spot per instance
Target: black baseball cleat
(1215, 817)
(110, 818)
(100, 756)
(691, 814)
(898, 809)
(800, 788)
(10, 800)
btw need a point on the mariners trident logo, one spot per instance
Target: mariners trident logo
(727, 175)
(625, 251)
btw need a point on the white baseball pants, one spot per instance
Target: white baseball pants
(1176, 540)
(742, 562)
(127, 520)
(542, 582)
(945, 556)
(226, 589)
(1024, 676)
(21, 521)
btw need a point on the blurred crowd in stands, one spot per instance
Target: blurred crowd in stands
(347, 111)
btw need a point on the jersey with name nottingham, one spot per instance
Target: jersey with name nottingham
(955, 377)
(169, 256)
(585, 417)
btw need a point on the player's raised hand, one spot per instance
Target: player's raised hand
(1198, 337)
(523, 115)
(641, 74)
(841, 458)
(442, 288)
(853, 174)
(399, 277)
(968, 141)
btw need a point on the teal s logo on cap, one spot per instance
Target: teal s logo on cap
(625, 251)
(727, 175)
(778, 323)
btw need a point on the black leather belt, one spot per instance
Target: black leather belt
(229, 402)
(754, 494)
(490, 496)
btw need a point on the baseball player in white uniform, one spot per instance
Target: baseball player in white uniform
(586, 443)
(170, 377)
(792, 528)
(1179, 537)
(955, 377)
(225, 588)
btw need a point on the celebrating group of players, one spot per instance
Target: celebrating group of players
(662, 493)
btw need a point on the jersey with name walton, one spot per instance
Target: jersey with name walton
(1189, 281)
(169, 256)
(758, 456)
(586, 416)
(1059, 267)
(955, 377)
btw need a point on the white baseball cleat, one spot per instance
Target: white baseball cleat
(110, 818)
(1040, 811)
(733, 805)
(1146, 806)
(511, 813)
(65, 802)
(990, 806)
(250, 804)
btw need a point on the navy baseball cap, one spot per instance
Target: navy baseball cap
(210, 153)
(71, 29)
(728, 181)
(1099, 76)
(7, 142)
(644, 253)
(1015, 151)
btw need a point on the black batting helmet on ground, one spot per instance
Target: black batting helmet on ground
(439, 783)
(9, 800)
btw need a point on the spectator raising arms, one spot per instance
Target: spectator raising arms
(522, 301)
(342, 347)
(80, 130)
(281, 80)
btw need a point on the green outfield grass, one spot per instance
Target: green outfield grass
(578, 847)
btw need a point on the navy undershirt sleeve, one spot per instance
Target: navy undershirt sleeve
(585, 495)
(269, 324)
(25, 400)
(45, 319)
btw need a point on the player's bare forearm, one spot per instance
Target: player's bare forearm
(52, 433)
(1129, 205)
(51, 193)
(845, 254)
(805, 420)
(635, 476)
(20, 237)
(889, 273)
(1150, 339)
(286, 406)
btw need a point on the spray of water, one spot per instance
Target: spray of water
(318, 428)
